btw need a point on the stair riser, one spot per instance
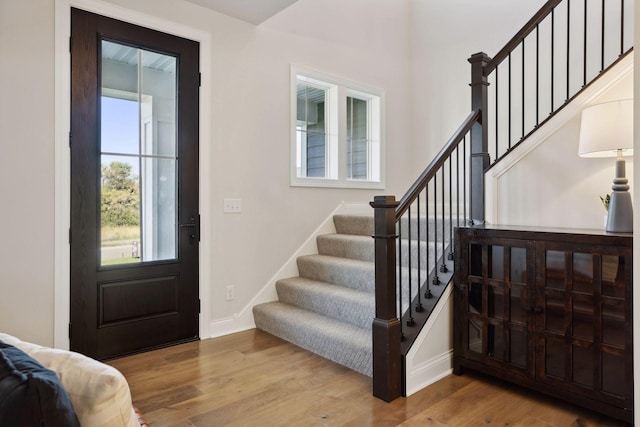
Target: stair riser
(360, 277)
(338, 246)
(357, 310)
(357, 225)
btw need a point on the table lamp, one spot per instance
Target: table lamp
(607, 131)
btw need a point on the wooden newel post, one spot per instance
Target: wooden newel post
(479, 137)
(387, 363)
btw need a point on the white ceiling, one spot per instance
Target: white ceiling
(253, 11)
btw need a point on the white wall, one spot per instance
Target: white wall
(249, 144)
(444, 34)
(27, 169)
(567, 192)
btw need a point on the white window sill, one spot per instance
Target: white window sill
(334, 183)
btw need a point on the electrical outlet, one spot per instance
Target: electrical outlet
(230, 293)
(232, 205)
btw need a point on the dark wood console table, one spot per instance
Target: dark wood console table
(548, 309)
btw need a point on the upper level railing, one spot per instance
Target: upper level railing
(564, 47)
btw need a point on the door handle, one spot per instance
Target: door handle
(536, 310)
(194, 222)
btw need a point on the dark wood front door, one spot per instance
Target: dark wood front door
(134, 187)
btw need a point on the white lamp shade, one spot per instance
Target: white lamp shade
(607, 128)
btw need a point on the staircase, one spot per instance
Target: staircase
(329, 308)
(359, 293)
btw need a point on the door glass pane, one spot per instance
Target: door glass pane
(495, 301)
(138, 193)
(518, 301)
(613, 322)
(583, 366)
(613, 276)
(495, 342)
(554, 358)
(475, 260)
(555, 273)
(475, 336)
(518, 347)
(119, 210)
(496, 262)
(583, 272)
(582, 322)
(518, 273)
(554, 313)
(614, 379)
(475, 298)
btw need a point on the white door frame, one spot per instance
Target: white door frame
(63, 163)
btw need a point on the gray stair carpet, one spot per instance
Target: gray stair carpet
(329, 308)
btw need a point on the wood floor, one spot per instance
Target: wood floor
(255, 379)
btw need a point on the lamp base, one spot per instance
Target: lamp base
(620, 218)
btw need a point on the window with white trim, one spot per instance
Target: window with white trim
(337, 135)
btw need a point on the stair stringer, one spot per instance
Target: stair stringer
(599, 87)
(431, 355)
(243, 320)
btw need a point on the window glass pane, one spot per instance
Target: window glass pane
(337, 133)
(138, 197)
(357, 139)
(311, 131)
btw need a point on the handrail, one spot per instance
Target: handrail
(540, 15)
(437, 162)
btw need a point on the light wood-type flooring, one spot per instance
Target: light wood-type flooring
(255, 379)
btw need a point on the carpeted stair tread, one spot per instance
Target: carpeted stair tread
(355, 274)
(361, 225)
(350, 246)
(338, 302)
(340, 342)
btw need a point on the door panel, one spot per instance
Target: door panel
(134, 187)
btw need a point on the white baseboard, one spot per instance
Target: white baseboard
(243, 320)
(429, 372)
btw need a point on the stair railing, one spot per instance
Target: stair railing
(547, 64)
(563, 48)
(406, 264)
